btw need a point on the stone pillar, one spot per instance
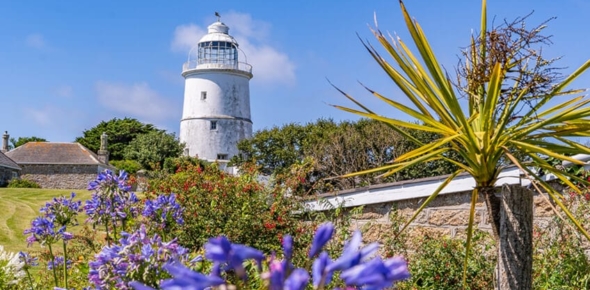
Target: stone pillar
(103, 152)
(5, 137)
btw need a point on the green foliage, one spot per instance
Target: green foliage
(238, 207)
(152, 148)
(120, 133)
(436, 260)
(559, 261)
(337, 149)
(22, 140)
(130, 166)
(23, 183)
(438, 264)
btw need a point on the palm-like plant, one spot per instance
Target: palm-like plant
(484, 136)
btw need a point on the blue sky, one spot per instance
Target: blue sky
(67, 65)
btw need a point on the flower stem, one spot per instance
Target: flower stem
(106, 227)
(30, 278)
(53, 267)
(65, 266)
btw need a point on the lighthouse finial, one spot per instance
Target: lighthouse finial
(218, 16)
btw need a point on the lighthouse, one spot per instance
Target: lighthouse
(216, 110)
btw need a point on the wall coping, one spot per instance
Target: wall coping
(417, 188)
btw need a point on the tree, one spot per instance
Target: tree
(484, 136)
(120, 133)
(22, 140)
(151, 149)
(336, 149)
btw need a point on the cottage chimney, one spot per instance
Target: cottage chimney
(103, 152)
(5, 137)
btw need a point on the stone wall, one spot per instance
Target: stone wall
(62, 176)
(446, 215)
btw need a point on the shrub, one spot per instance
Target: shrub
(238, 207)
(23, 183)
(129, 166)
(559, 261)
(436, 261)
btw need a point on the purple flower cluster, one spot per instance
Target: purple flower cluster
(183, 278)
(282, 274)
(358, 269)
(62, 210)
(226, 255)
(111, 203)
(107, 181)
(163, 211)
(44, 231)
(101, 209)
(57, 215)
(136, 257)
(48, 229)
(57, 262)
(357, 265)
(27, 260)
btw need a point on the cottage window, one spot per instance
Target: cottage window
(221, 156)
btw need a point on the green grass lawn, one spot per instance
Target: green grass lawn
(19, 206)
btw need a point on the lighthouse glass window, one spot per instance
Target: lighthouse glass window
(213, 125)
(218, 52)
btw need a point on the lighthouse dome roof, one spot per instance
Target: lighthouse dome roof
(218, 31)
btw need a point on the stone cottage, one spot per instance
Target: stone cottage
(59, 165)
(8, 168)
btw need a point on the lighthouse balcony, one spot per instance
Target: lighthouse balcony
(204, 65)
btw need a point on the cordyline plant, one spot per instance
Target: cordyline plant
(486, 138)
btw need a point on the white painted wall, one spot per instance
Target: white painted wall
(227, 102)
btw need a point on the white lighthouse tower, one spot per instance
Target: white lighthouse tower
(216, 112)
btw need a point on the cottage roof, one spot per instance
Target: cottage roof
(53, 153)
(5, 161)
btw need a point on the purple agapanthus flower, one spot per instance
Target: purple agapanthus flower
(108, 180)
(352, 255)
(322, 235)
(376, 274)
(164, 211)
(220, 250)
(27, 260)
(57, 262)
(356, 267)
(43, 230)
(111, 202)
(138, 256)
(62, 210)
(298, 280)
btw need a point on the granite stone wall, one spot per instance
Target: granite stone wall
(446, 215)
(62, 176)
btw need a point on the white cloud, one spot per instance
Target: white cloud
(270, 65)
(137, 100)
(35, 40)
(43, 117)
(64, 91)
(186, 36)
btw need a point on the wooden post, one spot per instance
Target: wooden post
(515, 246)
